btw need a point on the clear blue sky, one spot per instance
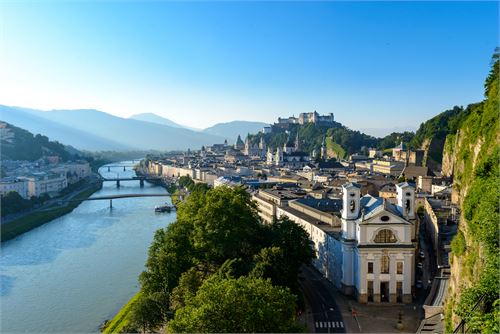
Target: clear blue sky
(373, 64)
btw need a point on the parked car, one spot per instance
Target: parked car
(421, 253)
(420, 265)
(419, 284)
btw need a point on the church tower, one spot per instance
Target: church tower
(324, 153)
(297, 143)
(406, 200)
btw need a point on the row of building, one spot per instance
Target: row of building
(30, 179)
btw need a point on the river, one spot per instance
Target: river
(78, 270)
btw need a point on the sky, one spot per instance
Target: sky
(375, 65)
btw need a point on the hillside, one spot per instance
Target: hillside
(33, 121)
(471, 156)
(431, 135)
(340, 140)
(231, 130)
(19, 144)
(114, 133)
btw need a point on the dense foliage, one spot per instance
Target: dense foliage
(218, 243)
(19, 144)
(477, 180)
(242, 305)
(12, 202)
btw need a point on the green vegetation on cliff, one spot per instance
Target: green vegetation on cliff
(476, 247)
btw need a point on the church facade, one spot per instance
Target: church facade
(378, 252)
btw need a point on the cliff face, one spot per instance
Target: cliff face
(471, 156)
(432, 136)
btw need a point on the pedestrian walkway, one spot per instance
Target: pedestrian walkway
(329, 324)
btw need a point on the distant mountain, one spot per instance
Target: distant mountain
(19, 144)
(231, 130)
(154, 118)
(33, 121)
(104, 131)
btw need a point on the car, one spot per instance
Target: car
(419, 284)
(420, 265)
(421, 253)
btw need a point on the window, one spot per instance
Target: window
(384, 218)
(370, 267)
(385, 236)
(399, 268)
(384, 264)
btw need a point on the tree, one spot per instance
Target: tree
(12, 202)
(290, 249)
(243, 305)
(145, 314)
(225, 225)
(169, 256)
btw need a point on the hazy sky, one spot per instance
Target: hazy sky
(373, 64)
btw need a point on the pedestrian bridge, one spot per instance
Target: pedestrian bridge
(112, 197)
(141, 179)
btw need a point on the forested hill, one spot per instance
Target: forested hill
(471, 156)
(431, 135)
(341, 141)
(19, 144)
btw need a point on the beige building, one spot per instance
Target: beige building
(16, 184)
(42, 183)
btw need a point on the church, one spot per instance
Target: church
(377, 249)
(288, 156)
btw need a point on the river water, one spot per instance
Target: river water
(78, 270)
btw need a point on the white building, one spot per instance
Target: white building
(371, 254)
(377, 246)
(41, 183)
(19, 185)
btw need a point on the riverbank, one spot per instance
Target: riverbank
(12, 229)
(121, 319)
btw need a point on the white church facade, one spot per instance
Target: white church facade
(378, 254)
(372, 254)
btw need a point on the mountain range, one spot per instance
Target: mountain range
(94, 130)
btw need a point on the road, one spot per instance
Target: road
(326, 316)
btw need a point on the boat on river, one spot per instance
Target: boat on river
(164, 208)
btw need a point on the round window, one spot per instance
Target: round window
(408, 194)
(384, 218)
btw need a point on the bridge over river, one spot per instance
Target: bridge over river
(112, 197)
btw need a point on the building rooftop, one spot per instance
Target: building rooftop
(326, 205)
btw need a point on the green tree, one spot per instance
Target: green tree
(243, 305)
(12, 202)
(225, 225)
(291, 248)
(144, 314)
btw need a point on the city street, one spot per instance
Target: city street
(323, 316)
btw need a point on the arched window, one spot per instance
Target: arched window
(385, 236)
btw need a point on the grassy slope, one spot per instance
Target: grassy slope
(120, 320)
(334, 147)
